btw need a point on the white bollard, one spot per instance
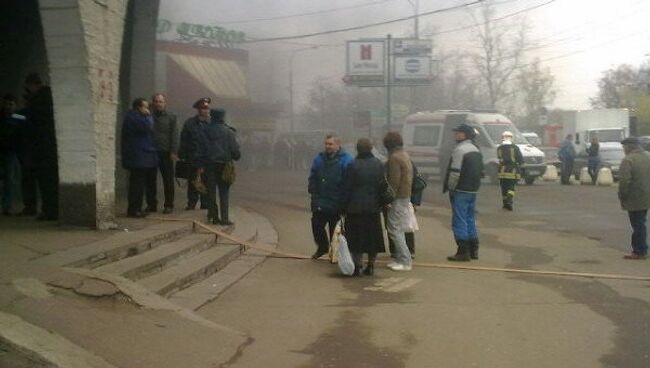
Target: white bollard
(585, 178)
(551, 173)
(605, 177)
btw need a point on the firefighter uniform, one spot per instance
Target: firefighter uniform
(510, 159)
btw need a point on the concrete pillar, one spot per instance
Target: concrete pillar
(83, 40)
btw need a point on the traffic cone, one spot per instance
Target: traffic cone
(585, 178)
(605, 177)
(551, 173)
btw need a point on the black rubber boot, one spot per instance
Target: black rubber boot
(473, 248)
(462, 254)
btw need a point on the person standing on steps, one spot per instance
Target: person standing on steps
(463, 181)
(139, 156)
(166, 139)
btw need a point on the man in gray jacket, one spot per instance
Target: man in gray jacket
(166, 140)
(634, 182)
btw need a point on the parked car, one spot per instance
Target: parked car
(610, 157)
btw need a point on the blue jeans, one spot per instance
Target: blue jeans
(637, 220)
(463, 222)
(592, 167)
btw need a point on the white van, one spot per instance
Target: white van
(429, 140)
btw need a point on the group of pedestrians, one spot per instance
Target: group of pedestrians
(150, 143)
(358, 190)
(28, 151)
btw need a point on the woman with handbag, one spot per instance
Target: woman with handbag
(363, 188)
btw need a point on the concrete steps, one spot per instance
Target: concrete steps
(157, 259)
(203, 292)
(188, 265)
(192, 269)
(119, 246)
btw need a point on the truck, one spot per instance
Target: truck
(610, 126)
(429, 140)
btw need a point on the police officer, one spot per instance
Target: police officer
(510, 159)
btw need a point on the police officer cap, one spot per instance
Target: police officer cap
(468, 130)
(631, 140)
(202, 102)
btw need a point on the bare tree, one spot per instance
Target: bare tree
(535, 90)
(501, 52)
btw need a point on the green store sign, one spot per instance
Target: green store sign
(205, 35)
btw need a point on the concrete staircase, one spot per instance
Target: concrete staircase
(187, 265)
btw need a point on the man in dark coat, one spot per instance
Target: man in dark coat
(166, 139)
(325, 187)
(463, 181)
(41, 115)
(209, 144)
(633, 184)
(139, 156)
(192, 150)
(10, 123)
(567, 156)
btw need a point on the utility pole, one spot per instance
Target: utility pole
(389, 81)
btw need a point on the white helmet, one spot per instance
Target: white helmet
(506, 134)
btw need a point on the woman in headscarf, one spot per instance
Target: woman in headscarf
(363, 185)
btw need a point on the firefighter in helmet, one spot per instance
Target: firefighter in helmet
(510, 159)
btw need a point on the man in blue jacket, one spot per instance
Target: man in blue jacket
(325, 187)
(139, 156)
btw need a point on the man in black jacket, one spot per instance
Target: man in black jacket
(463, 181)
(41, 114)
(209, 144)
(166, 139)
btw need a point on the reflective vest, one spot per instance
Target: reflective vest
(510, 158)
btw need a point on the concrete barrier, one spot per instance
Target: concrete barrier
(585, 178)
(605, 177)
(551, 173)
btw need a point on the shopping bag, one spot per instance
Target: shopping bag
(334, 243)
(346, 264)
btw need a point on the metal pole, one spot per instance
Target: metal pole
(388, 78)
(417, 20)
(291, 118)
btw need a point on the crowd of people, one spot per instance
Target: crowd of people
(207, 148)
(28, 152)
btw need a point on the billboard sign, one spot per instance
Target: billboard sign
(412, 68)
(365, 58)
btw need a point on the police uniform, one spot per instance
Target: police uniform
(510, 159)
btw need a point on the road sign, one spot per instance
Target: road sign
(411, 46)
(365, 58)
(412, 68)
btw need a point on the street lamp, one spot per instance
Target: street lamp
(291, 57)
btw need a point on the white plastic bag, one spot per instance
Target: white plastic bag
(346, 264)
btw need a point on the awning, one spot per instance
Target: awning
(224, 78)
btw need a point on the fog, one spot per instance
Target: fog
(576, 40)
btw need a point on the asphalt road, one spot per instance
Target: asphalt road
(303, 314)
(590, 211)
